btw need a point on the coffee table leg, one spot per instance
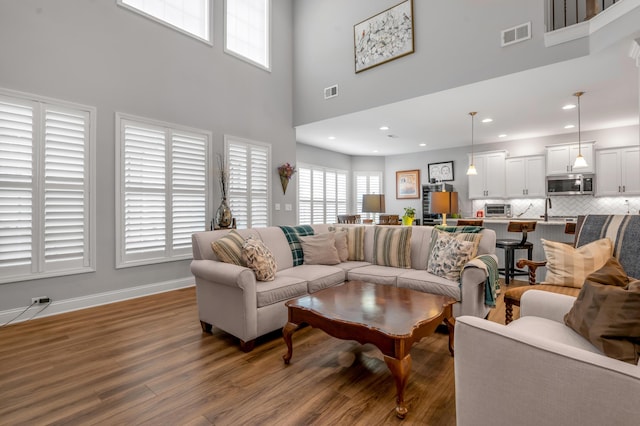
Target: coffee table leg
(400, 371)
(287, 331)
(451, 326)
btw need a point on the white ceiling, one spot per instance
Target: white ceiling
(523, 105)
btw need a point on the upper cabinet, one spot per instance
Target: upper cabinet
(618, 171)
(489, 182)
(525, 177)
(560, 158)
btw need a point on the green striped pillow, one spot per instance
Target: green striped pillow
(355, 241)
(229, 248)
(392, 246)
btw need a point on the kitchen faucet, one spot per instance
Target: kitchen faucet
(547, 205)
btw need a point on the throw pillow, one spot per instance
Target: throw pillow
(462, 236)
(355, 241)
(342, 245)
(608, 317)
(612, 273)
(468, 229)
(568, 266)
(449, 255)
(392, 246)
(259, 258)
(292, 233)
(320, 249)
(228, 248)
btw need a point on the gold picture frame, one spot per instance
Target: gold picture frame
(407, 184)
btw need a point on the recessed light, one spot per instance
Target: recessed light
(487, 120)
(423, 144)
(332, 138)
(384, 128)
(569, 106)
(569, 126)
(504, 135)
(375, 150)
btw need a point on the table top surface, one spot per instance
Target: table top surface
(392, 310)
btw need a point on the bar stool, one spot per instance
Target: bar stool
(470, 222)
(511, 245)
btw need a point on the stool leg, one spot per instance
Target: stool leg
(507, 265)
(530, 253)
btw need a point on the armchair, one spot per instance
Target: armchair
(537, 371)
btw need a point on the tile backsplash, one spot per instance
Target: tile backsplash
(570, 205)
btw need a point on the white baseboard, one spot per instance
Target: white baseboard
(76, 303)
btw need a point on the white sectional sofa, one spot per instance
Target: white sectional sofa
(230, 298)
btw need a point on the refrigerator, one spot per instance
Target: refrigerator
(429, 218)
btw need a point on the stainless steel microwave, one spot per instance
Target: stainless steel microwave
(573, 184)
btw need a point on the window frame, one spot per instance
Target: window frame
(268, 41)
(37, 268)
(122, 259)
(161, 21)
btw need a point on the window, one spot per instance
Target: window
(247, 30)
(191, 17)
(249, 166)
(367, 183)
(322, 194)
(162, 191)
(46, 186)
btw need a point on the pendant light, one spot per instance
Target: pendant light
(580, 162)
(471, 171)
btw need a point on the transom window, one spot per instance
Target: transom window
(247, 30)
(191, 17)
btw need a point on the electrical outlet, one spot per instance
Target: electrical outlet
(40, 300)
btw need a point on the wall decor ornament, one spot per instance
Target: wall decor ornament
(407, 184)
(441, 172)
(286, 171)
(384, 37)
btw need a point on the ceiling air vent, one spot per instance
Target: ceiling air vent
(516, 34)
(331, 92)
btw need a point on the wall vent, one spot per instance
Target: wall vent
(331, 92)
(516, 34)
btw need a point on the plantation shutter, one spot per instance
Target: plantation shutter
(16, 187)
(66, 205)
(317, 193)
(189, 188)
(367, 183)
(304, 196)
(249, 168)
(322, 194)
(341, 188)
(144, 190)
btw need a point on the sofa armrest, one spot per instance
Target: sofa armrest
(224, 273)
(531, 267)
(504, 376)
(472, 288)
(545, 304)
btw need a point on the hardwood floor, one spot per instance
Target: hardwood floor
(146, 361)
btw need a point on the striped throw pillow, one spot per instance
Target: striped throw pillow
(392, 246)
(355, 241)
(229, 248)
(569, 267)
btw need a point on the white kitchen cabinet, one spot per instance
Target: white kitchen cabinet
(618, 171)
(560, 158)
(490, 180)
(525, 177)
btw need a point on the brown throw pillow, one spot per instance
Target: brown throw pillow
(608, 317)
(612, 273)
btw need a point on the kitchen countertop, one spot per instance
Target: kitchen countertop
(552, 220)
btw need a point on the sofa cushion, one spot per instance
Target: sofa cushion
(229, 248)
(258, 257)
(342, 245)
(319, 249)
(376, 274)
(316, 276)
(392, 246)
(280, 289)
(355, 241)
(608, 316)
(429, 283)
(569, 267)
(449, 254)
(292, 233)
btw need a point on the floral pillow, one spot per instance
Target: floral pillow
(448, 256)
(259, 258)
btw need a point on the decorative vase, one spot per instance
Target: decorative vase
(284, 181)
(407, 220)
(223, 215)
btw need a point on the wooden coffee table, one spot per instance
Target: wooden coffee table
(388, 317)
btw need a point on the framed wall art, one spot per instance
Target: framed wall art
(441, 172)
(384, 37)
(408, 184)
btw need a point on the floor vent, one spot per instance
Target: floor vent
(516, 34)
(331, 92)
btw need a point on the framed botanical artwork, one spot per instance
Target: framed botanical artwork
(384, 37)
(441, 172)
(408, 184)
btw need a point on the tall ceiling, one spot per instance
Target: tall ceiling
(523, 105)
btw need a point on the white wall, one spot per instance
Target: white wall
(99, 54)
